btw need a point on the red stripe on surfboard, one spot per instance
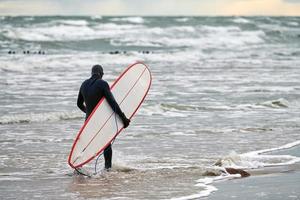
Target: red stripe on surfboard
(99, 103)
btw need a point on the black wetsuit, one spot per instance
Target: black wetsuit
(90, 93)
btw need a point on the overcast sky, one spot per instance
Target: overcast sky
(150, 7)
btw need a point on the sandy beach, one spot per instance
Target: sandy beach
(276, 183)
(276, 186)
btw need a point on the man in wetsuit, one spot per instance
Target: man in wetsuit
(90, 93)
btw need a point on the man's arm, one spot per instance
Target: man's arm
(114, 105)
(80, 101)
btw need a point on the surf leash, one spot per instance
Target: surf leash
(87, 175)
(111, 142)
(81, 173)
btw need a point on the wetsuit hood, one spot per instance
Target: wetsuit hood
(97, 70)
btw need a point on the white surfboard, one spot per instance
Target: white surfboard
(103, 125)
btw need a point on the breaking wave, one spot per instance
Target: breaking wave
(204, 36)
(278, 103)
(40, 117)
(258, 159)
(136, 20)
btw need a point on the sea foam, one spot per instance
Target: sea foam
(136, 20)
(258, 159)
(39, 117)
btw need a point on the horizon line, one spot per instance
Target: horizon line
(94, 15)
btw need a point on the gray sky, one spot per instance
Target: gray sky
(150, 7)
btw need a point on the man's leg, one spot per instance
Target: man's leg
(108, 157)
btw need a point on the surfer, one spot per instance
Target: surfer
(90, 93)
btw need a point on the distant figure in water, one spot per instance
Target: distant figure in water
(91, 91)
(11, 52)
(28, 52)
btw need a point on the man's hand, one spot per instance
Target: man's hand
(126, 122)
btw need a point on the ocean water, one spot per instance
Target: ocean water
(225, 89)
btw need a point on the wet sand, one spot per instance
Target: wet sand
(276, 183)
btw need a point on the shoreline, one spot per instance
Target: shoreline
(271, 183)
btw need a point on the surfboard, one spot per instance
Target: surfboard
(103, 124)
